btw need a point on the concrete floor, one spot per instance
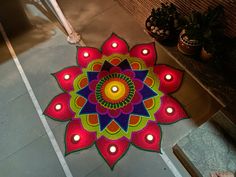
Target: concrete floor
(25, 149)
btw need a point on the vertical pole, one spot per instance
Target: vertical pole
(73, 37)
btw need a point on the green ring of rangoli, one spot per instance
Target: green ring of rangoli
(123, 102)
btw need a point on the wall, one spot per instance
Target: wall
(141, 9)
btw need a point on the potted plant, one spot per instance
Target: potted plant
(164, 23)
(190, 38)
(212, 33)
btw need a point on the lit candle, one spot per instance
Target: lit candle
(169, 110)
(145, 51)
(149, 137)
(86, 54)
(114, 44)
(67, 76)
(168, 77)
(76, 138)
(58, 107)
(114, 89)
(112, 149)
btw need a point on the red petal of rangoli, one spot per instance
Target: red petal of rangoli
(112, 150)
(147, 52)
(65, 77)
(77, 137)
(170, 111)
(87, 54)
(114, 45)
(59, 108)
(148, 138)
(170, 78)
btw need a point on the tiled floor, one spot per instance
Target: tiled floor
(25, 150)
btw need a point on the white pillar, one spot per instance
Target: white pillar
(73, 37)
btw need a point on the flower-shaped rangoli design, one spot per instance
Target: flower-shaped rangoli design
(115, 98)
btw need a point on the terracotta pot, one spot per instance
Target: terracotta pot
(204, 55)
(188, 46)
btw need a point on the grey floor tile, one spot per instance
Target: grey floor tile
(116, 20)
(82, 12)
(135, 163)
(81, 163)
(208, 149)
(84, 162)
(45, 93)
(46, 58)
(172, 133)
(38, 159)
(11, 85)
(140, 163)
(19, 126)
(176, 162)
(59, 133)
(104, 170)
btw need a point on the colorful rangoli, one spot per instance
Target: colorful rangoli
(115, 98)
